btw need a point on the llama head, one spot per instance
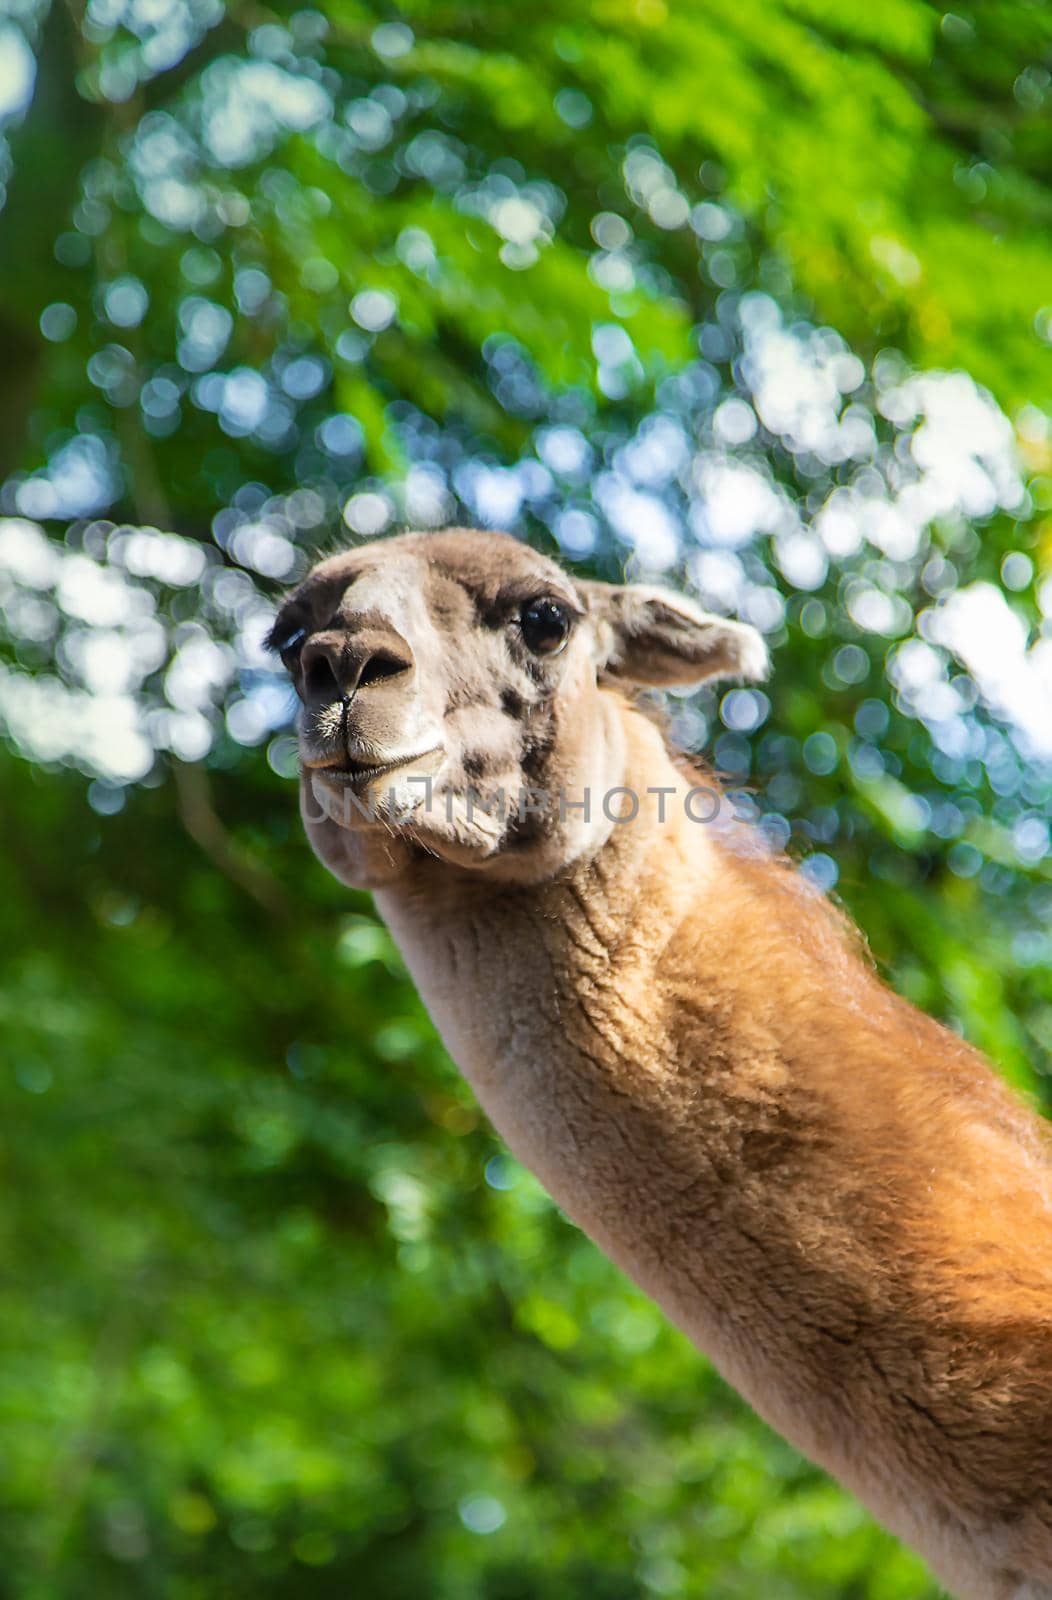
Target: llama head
(454, 703)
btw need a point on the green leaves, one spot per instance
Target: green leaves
(646, 282)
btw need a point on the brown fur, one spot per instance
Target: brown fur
(835, 1197)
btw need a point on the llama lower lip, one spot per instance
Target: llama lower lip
(359, 775)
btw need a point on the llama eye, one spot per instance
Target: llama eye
(545, 626)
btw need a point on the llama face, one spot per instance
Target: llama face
(452, 701)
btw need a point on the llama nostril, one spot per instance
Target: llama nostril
(335, 668)
(320, 679)
(380, 665)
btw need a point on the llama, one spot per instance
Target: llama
(835, 1197)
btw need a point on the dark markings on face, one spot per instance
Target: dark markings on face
(538, 744)
(463, 696)
(449, 609)
(540, 673)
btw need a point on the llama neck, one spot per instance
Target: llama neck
(816, 1182)
(620, 1026)
(511, 974)
(675, 1000)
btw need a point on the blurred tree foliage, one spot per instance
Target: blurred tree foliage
(654, 285)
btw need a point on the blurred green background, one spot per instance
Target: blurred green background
(754, 297)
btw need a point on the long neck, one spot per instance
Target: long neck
(832, 1195)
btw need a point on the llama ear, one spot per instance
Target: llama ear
(658, 638)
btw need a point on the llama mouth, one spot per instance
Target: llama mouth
(349, 774)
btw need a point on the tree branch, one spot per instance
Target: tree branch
(204, 825)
